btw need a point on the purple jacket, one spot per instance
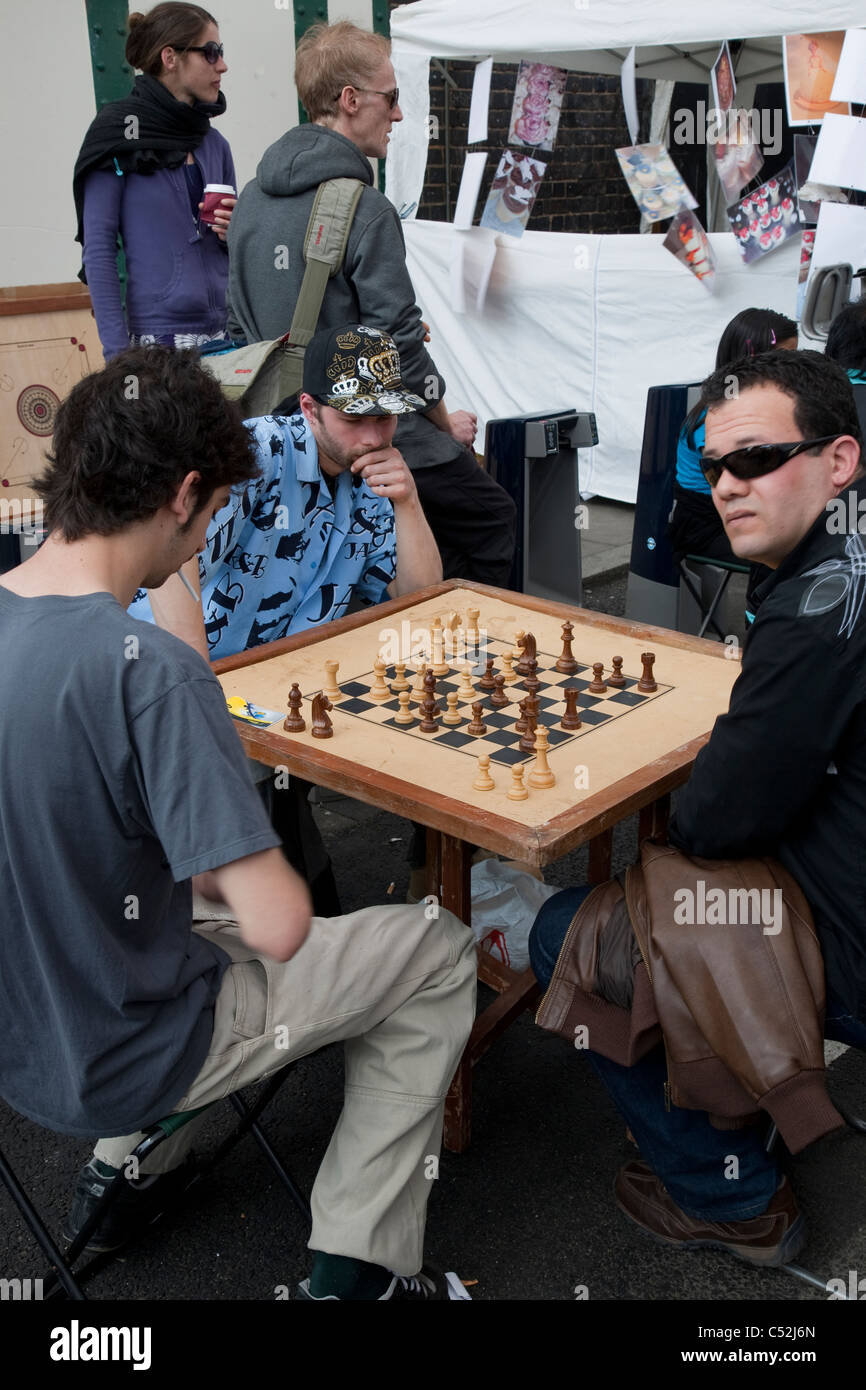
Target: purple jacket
(177, 273)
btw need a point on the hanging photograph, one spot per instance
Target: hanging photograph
(766, 217)
(537, 105)
(654, 181)
(688, 241)
(736, 165)
(512, 194)
(811, 61)
(724, 82)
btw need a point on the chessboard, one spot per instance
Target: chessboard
(501, 741)
(629, 742)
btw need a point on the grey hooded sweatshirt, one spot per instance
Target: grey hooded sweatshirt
(373, 286)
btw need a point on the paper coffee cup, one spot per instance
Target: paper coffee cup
(213, 196)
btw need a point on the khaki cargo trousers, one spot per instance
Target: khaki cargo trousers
(399, 991)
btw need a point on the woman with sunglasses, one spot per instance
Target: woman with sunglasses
(140, 177)
(695, 527)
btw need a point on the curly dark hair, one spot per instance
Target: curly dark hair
(127, 436)
(821, 392)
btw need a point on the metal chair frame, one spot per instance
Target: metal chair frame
(62, 1277)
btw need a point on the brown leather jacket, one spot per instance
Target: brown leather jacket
(730, 977)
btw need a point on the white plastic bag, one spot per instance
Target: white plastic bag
(505, 903)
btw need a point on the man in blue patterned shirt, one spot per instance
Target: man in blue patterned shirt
(334, 514)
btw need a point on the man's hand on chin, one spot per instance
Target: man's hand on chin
(386, 474)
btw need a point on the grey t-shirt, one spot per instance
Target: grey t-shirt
(121, 775)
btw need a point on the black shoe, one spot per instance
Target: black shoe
(141, 1202)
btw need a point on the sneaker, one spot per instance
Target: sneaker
(774, 1238)
(428, 1283)
(142, 1201)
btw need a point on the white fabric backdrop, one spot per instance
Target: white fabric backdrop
(586, 323)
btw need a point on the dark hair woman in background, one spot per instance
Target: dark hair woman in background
(140, 176)
(695, 526)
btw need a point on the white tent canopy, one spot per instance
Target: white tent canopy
(634, 317)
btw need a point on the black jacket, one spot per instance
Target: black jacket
(784, 772)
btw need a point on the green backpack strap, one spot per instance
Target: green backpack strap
(263, 374)
(324, 248)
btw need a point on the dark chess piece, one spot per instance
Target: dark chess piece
(322, 726)
(617, 679)
(566, 663)
(430, 711)
(476, 725)
(597, 685)
(528, 652)
(530, 680)
(647, 682)
(520, 721)
(294, 722)
(499, 698)
(527, 742)
(488, 680)
(571, 718)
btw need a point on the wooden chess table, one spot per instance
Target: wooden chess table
(631, 750)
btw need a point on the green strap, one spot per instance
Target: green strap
(325, 243)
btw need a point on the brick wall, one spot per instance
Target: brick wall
(583, 189)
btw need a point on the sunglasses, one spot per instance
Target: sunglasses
(758, 459)
(391, 97)
(212, 51)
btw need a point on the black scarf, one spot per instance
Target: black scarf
(168, 130)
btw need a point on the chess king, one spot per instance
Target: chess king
(783, 775)
(124, 1011)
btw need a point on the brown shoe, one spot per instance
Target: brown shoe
(773, 1238)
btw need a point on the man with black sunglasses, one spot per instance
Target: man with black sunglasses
(783, 775)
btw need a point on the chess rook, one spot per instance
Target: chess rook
(647, 681)
(331, 688)
(571, 718)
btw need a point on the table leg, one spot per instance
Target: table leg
(653, 819)
(600, 852)
(456, 863)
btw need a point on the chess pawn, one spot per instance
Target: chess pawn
(540, 774)
(418, 688)
(322, 727)
(499, 698)
(647, 681)
(399, 682)
(331, 688)
(404, 715)
(508, 668)
(451, 715)
(617, 679)
(597, 685)
(379, 690)
(466, 693)
(294, 722)
(527, 742)
(484, 782)
(488, 681)
(476, 725)
(531, 683)
(517, 791)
